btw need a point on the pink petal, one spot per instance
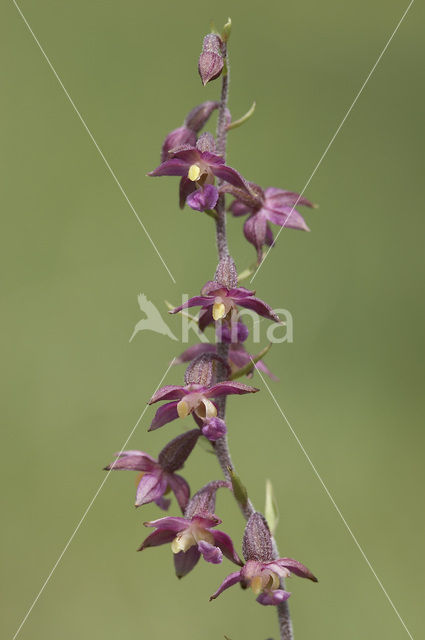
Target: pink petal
(232, 578)
(172, 167)
(184, 561)
(210, 553)
(169, 523)
(151, 487)
(229, 388)
(180, 489)
(157, 538)
(224, 542)
(133, 460)
(169, 392)
(163, 415)
(273, 597)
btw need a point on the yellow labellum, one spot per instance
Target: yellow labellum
(183, 409)
(218, 311)
(257, 585)
(194, 172)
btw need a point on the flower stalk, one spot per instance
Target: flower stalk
(221, 446)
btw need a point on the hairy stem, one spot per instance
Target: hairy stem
(221, 446)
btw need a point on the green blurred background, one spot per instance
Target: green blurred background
(74, 259)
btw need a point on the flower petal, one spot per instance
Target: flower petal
(260, 307)
(287, 217)
(132, 460)
(189, 155)
(169, 392)
(172, 167)
(186, 187)
(295, 567)
(205, 318)
(229, 175)
(180, 488)
(214, 428)
(229, 388)
(157, 538)
(238, 208)
(262, 367)
(224, 542)
(169, 523)
(286, 198)
(203, 199)
(210, 553)
(151, 487)
(184, 561)
(255, 231)
(232, 578)
(197, 301)
(273, 597)
(166, 413)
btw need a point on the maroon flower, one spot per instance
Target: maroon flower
(217, 302)
(190, 538)
(271, 205)
(198, 166)
(261, 572)
(192, 398)
(264, 579)
(158, 477)
(195, 534)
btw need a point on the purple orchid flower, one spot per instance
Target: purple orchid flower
(271, 205)
(190, 538)
(192, 398)
(264, 579)
(195, 534)
(198, 166)
(262, 573)
(158, 477)
(218, 302)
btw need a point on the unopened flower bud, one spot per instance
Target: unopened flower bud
(198, 117)
(226, 273)
(257, 541)
(211, 61)
(175, 453)
(214, 429)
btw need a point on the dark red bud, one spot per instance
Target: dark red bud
(211, 61)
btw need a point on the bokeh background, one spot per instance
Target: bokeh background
(74, 259)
